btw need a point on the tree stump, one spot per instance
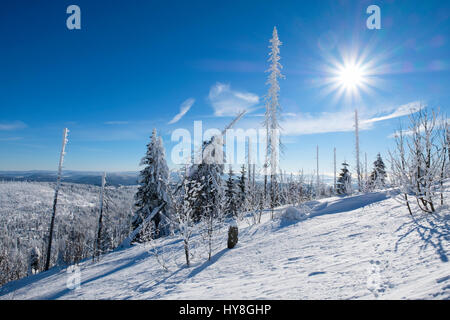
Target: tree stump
(232, 236)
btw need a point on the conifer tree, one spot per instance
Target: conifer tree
(184, 205)
(209, 207)
(243, 191)
(153, 192)
(272, 115)
(344, 180)
(231, 207)
(378, 175)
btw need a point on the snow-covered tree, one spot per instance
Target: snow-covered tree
(154, 189)
(418, 164)
(98, 240)
(334, 168)
(358, 163)
(272, 115)
(426, 158)
(184, 206)
(55, 199)
(208, 208)
(243, 197)
(34, 260)
(344, 183)
(231, 201)
(400, 174)
(378, 175)
(445, 149)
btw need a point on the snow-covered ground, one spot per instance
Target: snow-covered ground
(360, 247)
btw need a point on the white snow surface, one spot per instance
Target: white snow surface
(360, 247)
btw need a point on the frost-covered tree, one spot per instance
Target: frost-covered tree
(243, 197)
(272, 115)
(378, 175)
(153, 192)
(418, 163)
(358, 163)
(209, 207)
(183, 216)
(426, 158)
(34, 261)
(400, 174)
(231, 201)
(445, 167)
(344, 183)
(98, 246)
(55, 199)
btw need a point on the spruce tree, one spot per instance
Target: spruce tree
(243, 196)
(344, 180)
(231, 207)
(208, 208)
(272, 115)
(154, 189)
(378, 175)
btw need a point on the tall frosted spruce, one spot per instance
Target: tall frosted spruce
(273, 111)
(153, 196)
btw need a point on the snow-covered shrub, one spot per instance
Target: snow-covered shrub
(292, 214)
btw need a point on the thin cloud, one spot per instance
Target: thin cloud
(17, 125)
(216, 65)
(116, 123)
(397, 134)
(228, 102)
(11, 139)
(440, 123)
(401, 111)
(342, 121)
(184, 108)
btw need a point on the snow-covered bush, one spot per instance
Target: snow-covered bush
(292, 214)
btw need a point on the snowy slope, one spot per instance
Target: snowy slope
(360, 247)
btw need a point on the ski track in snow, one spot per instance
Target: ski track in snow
(360, 247)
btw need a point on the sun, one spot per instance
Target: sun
(351, 77)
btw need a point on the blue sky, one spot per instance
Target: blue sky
(134, 64)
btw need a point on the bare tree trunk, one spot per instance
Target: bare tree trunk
(55, 199)
(186, 252)
(407, 204)
(335, 170)
(318, 177)
(358, 170)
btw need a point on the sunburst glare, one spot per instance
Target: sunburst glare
(351, 76)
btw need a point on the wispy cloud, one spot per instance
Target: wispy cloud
(16, 125)
(341, 121)
(228, 102)
(116, 123)
(216, 65)
(11, 139)
(401, 111)
(397, 134)
(439, 123)
(184, 108)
